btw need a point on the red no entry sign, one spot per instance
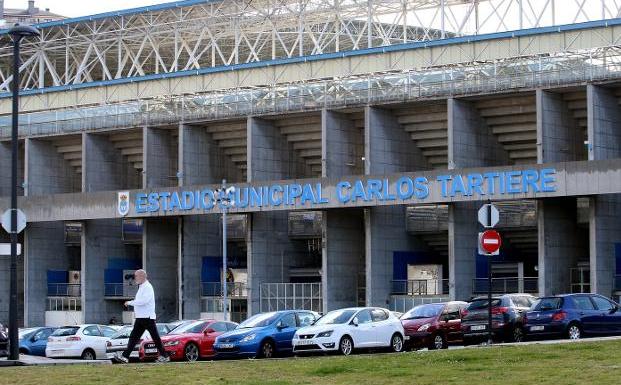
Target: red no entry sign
(490, 241)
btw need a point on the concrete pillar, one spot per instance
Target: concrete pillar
(471, 142)
(560, 244)
(160, 158)
(102, 241)
(342, 145)
(160, 248)
(343, 258)
(604, 137)
(557, 133)
(201, 160)
(5, 164)
(47, 172)
(44, 250)
(104, 167)
(201, 237)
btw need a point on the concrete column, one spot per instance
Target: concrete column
(104, 167)
(342, 145)
(160, 250)
(201, 237)
(560, 244)
(201, 161)
(47, 172)
(44, 250)
(463, 236)
(5, 164)
(470, 142)
(557, 133)
(101, 241)
(604, 137)
(160, 158)
(343, 258)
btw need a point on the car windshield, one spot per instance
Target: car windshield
(545, 304)
(336, 317)
(424, 311)
(193, 327)
(259, 320)
(66, 331)
(479, 304)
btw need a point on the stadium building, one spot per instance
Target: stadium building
(360, 138)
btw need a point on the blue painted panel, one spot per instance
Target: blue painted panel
(210, 271)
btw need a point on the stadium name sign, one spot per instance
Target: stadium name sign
(363, 192)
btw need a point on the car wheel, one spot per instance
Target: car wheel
(396, 343)
(267, 349)
(437, 342)
(346, 346)
(574, 332)
(88, 354)
(190, 352)
(518, 334)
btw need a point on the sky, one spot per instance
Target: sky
(73, 8)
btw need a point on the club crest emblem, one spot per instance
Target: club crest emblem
(123, 203)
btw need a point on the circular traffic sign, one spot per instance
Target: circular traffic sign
(490, 241)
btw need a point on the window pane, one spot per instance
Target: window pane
(306, 319)
(379, 315)
(583, 303)
(364, 317)
(289, 320)
(602, 303)
(219, 327)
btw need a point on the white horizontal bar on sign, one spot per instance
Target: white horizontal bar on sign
(5, 249)
(490, 241)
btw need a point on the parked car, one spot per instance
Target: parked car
(190, 342)
(507, 318)
(33, 341)
(82, 341)
(4, 342)
(173, 325)
(348, 329)
(119, 340)
(573, 316)
(434, 325)
(264, 335)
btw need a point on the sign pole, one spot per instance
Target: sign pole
(224, 250)
(489, 282)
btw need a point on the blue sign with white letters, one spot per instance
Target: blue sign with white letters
(413, 189)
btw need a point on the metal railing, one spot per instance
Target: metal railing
(233, 289)
(283, 296)
(64, 290)
(64, 304)
(120, 290)
(459, 79)
(211, 307)
(507, 285)
(418, 287)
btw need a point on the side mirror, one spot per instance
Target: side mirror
(209, 331)
(355, 321)
(280, 325)
(614, 310)
(34, 339)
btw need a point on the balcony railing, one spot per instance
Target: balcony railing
(64, 304)
(507, 285)
(284, 296)
(233, 289)
(120, 290)
(418, 287)
(64, 290)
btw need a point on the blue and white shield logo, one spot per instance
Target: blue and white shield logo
(123, 203)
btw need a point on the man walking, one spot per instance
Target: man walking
(144, 311)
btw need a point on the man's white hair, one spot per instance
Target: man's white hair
(141, 271)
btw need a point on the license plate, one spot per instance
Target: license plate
(149, 351)
(536, 328)
(226, 346)
(477, 327)
(306, 342)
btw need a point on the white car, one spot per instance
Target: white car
(118, 341)
(348, 329)
(81, 341)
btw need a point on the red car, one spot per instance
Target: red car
(189, 342)
(434, 325)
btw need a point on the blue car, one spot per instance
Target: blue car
(34, 341)
(573, 316)
(264, 335)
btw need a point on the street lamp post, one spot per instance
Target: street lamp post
(224, 197)
(17, 33)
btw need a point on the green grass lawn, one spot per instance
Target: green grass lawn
(563, 364)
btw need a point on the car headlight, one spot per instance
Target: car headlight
(424, 328)
(171, 343)
(249, 337)
(325, 334)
